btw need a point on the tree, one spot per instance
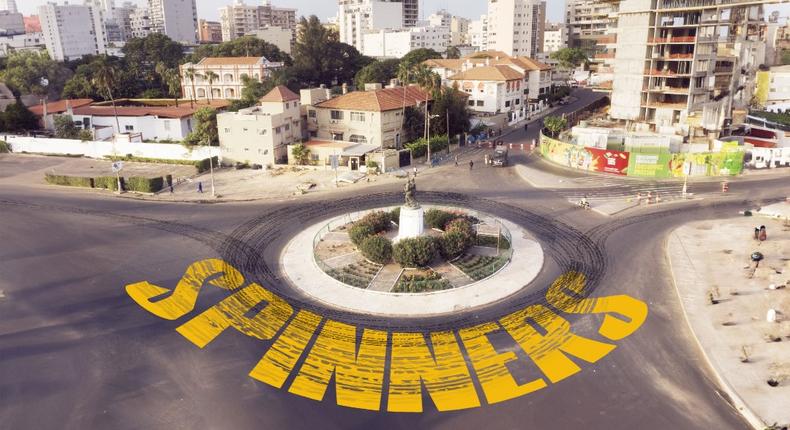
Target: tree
(555, 125)
(376, 72)
(18, 118)
(245, 46)
(171, 79)
(450, 101)
(319, 58)
(191, 74)
(413, 124)
(65, 129)
(570, 58)
(205, 131)
(104, 78)
(142, 55)
(301, 154)
(453, 52)
(419, 56)
(33, 72)
(210, 76)
(124, 84)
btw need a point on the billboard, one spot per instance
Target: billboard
(581, 158)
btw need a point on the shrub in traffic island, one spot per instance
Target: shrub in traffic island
(377, 249)
(414, 252)
(379, 221)
(5, 148)
(462, 226)
(395, 215)
(453, 244)
(437, 218)
(359, 232)
(107, 182)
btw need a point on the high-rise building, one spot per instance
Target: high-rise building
(554, 38)
(458, 26)
(591, 26)
(140, 22)
(176, 19)
(239, 19)
(478, 33)
(11, 23)
(357, 17)
(686, 61)
(9, 5)
(515, 27)
(71, 31)
(209, 31)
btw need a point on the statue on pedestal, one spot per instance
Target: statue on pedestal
(409, 192)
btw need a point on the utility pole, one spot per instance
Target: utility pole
(211, 168)
(448, 131)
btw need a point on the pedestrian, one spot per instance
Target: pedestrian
(200, 187)
(526, 126)
(471, 164)
(171, 188)
(456, 161)
(415, 171)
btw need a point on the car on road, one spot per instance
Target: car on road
(499, 159)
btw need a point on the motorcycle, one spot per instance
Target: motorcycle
(583, 204)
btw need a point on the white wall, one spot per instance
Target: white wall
(102, 149)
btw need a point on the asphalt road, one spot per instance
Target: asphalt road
(77, 353)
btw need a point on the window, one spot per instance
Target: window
(336, 114)
(262, 131)
(287, 105)
(358, 116)
(129, 128)
(507, 103)
(471, 102)
(287, 127)
(480, 103)
(227, 130)
(167, 125)
(356, 138)
(518, 101)
(311, 114)
(337, 136)
(277, 130)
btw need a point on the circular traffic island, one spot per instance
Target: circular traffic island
(412, 260)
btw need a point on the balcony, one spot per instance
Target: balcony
(664, 105)
(665, 73)
(607, 40)
(604, 56)
(676, 39)
(666, 89)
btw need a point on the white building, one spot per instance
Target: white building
(229, 71)
(21, 42)
(397, 43)
(554, 38)
(71, 31)
(358, 17)
(774, 88)
(9, 5)
(493, 90)
(240, 19)
(478, 33)
(153, 123)
(177, 19)
(277, 36)
(140, 22)
(261, 134)
(516, 26)
(440, 18)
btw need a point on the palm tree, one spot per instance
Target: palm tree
(211, 77)
(171, 79)
(105, 78)
(191, 74)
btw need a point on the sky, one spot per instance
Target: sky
(208, 9)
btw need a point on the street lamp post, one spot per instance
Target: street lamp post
(211, 168)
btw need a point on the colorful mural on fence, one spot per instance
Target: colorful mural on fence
(648, 162)
(579, 157)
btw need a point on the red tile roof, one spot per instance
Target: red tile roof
(280, 93)
(171, 112)
(488, 73)
(59, 106)
(379, 100)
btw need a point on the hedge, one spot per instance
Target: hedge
(359, 233)
(137, 184)
(437, 218)
(379, 221)
(414, 252)
(377, 249)
(5, 148)
(420, 146)
(201, 165)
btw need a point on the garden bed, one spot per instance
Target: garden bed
(491, 241)
(358, 275)
(479, 267)
(421, 281)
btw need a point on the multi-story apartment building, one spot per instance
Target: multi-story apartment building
(554, 38)
(478, 33)
(21, 42)
(177, 19)
(229, 71)
(685, 61)
(516, 26)
(397, 43)
(240, 19)
(9, 5)
(11, 23)
(209, 31)
(357, 17)
(71, 31)
(459, 31)
(277, 36)
(261, 134)
(140, 22)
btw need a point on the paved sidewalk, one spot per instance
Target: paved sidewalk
(712, 257)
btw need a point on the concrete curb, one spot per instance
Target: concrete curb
(749, 415)
(303, 273)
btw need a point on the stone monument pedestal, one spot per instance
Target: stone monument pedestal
(411, 223)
